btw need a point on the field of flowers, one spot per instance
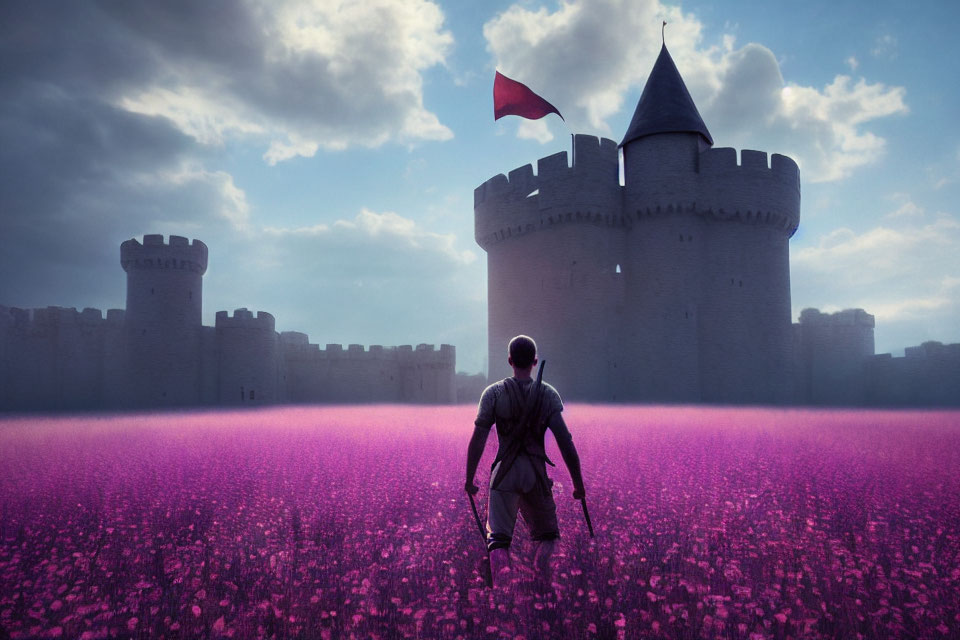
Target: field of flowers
(352, 522)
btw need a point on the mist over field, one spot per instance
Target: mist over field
(326, 522)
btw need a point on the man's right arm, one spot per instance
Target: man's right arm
(478, 442)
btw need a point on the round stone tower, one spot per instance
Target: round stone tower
(660, 161)
(554, 243)
(163, 320)
(674, 287)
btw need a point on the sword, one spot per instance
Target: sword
(487, 574)
(586, 515)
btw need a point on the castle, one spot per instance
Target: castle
(671, 287)
(157, 353)
(675, 285)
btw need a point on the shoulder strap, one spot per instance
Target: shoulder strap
(517, 404)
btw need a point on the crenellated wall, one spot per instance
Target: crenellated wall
(586, 192)
(379, 374)
(927, 375)
(57, 358)
(156, 353)
(673, 287)
(751, 192)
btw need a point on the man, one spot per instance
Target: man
(522, 411)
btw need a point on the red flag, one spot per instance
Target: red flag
(512, 98)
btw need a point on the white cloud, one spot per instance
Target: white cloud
(882, 254)
(885, 46)
(534, 130)
(228, 201)
(852, 62)
(292, 147)
(906, 210)
(380, 230)
(580, 57)
(194, 111)
(376, 278)
(587, 58)
(313, 74)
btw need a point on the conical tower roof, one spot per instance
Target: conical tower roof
(665, 105)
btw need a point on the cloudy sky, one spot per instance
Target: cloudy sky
(327, 151)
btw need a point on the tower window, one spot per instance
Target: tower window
(144, 332)
(151, 290)
(251, 394)
(617, 270)
(191, 295)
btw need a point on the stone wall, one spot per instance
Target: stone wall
(157, 354)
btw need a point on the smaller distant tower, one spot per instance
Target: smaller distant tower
(249, 359)
(833, 354)
(163, 320)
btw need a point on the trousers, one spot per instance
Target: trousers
(518, 492)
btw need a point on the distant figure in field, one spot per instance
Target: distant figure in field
(522, 412)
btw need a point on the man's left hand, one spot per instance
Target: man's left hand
(471, 488)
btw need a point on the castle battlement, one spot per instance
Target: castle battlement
(588, 191)
(294, 342)
(51, 317)
(592, 155)
(847, 317)
(752, 191)
(933, 349)
(244, 319)
(180, 253)
(356, 352)
(429, 354)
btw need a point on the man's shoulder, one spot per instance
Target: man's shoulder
(497, 388)
(549, 388)
(551, 392)
(493, 388)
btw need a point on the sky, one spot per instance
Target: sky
(327, 152)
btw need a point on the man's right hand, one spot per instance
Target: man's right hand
(578, 494)
(471, 488)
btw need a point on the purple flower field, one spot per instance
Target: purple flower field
(352, 523)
